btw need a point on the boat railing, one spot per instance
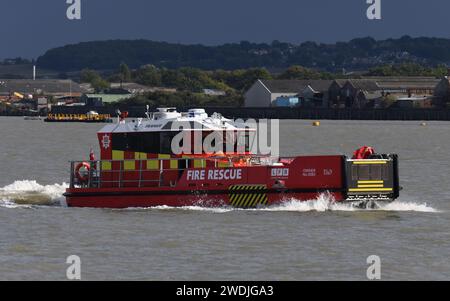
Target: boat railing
(156, 172)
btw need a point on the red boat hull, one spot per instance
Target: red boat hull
(96, 198)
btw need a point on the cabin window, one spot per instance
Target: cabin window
(370, 172)
(385, 172)
(166, 142)
(364, 172)
(354, 172)
(375, 172)
(136, 142)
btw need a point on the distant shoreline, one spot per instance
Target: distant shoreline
(285, 113)
(281, 113)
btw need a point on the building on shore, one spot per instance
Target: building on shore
(441, 92)
(335, 92)
(358, 93)
(272, 93)
(100, 99)
(27, 94)
(43, 87)
(404, 85)
(134, 88)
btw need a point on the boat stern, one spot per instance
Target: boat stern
(374, 179)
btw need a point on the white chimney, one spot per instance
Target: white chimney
(34, 72)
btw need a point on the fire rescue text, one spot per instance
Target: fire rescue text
(214, 174)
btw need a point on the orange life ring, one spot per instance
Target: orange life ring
(78, 175)
(240, 163)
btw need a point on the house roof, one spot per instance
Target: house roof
(364, 84)
(372, 95)
(138, 88)
(340, 82)
(405, 82)
(44, 86)
(133, 86)
(110, 98)
(296, 86)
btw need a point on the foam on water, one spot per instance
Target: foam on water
(407, 206)
(28, 192)
(190, 208)
(323, 203)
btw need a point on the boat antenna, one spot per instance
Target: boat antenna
(147, 112)
(118, 115)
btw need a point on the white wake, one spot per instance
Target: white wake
(323, 203)
(26, 193)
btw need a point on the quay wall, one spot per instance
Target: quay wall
(282, 113)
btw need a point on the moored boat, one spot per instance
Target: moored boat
(89, 117)
(141, 167)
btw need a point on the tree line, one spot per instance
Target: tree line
(356, 54)
(189, 82)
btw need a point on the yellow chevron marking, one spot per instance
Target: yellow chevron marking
(254, 200)
(237, 196)
(243, 196)
(263, 200)
(245, 200)
(251, 197)
(230, 196)
(248, 198)
(254, 197)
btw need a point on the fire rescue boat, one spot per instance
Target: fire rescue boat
(138, 168)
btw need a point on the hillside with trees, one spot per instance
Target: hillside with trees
(357, 54)
(191, 82)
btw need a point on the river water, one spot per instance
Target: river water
(315, 240)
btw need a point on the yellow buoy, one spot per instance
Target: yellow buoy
(316, 123)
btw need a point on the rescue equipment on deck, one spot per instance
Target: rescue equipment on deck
(363, 152)
(82, 171)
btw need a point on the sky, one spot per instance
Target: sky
(30, 27)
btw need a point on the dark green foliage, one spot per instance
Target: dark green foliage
(357, 54)
(299, 72)
(195, 80)
(183, 99)
(92, 77)
(408, 69)
(124, 72)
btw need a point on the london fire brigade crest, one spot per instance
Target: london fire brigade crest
(106, 142)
